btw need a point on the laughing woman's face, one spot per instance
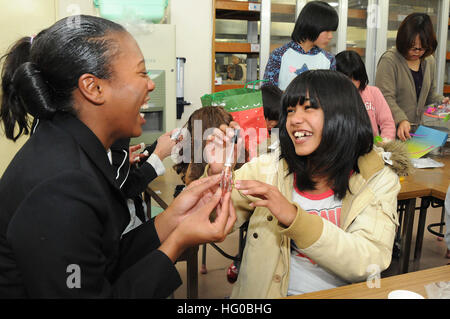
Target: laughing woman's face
(128, 88)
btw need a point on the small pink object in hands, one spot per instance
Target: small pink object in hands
(226, 181)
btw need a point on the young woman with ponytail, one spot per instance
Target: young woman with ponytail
(62, 213)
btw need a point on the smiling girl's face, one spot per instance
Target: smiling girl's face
(304, 124)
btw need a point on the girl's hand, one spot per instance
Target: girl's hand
(403, 130)
(271, 198)
(218, 146)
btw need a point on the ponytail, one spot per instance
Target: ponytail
(40, 74)
(12, 110)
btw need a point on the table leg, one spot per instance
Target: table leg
(424, 204)
(407, 227)
(192, 273)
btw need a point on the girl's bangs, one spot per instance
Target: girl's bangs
(299, 95)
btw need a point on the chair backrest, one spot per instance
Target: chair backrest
(151, 193)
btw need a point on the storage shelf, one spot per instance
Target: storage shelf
(234, 5)
(235, 47)
(360, 51)
(237, 10)
(283, 8)
(222, 87)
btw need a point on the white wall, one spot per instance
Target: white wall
(193, 21)
(20, 18)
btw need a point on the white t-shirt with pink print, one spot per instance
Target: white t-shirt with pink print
(305, 275)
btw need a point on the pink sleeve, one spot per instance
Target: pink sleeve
(383, 114)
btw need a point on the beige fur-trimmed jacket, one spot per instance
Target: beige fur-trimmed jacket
(365, 237)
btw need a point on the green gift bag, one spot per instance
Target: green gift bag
(246, 106)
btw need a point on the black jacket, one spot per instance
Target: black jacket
(62, 214)
(132, 180)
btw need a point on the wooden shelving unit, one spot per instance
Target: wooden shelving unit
(248, 11)
(235, 10)
(235, 47)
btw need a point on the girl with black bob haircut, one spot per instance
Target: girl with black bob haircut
(323, 208)
(346, 133)
(312, 33)
(315, 18)
(350, 63)
(62, 213)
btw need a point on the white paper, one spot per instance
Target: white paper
(425, 162)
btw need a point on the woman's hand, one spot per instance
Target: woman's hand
(196, 195)
(445, 100)
(271, 198)
(403, 130)
(195, 226)
(218, 146)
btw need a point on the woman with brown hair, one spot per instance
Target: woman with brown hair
(405, 74)
(208, 117)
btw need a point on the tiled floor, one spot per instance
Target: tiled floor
(214, 284)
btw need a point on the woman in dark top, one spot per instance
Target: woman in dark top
(62, 213)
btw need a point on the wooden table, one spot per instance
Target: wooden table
(413, 281)
(426, 183)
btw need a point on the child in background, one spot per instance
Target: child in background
(312, 33)
(351, 64)
(271, 96)
(209, 117)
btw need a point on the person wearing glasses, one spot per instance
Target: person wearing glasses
(405, 74)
